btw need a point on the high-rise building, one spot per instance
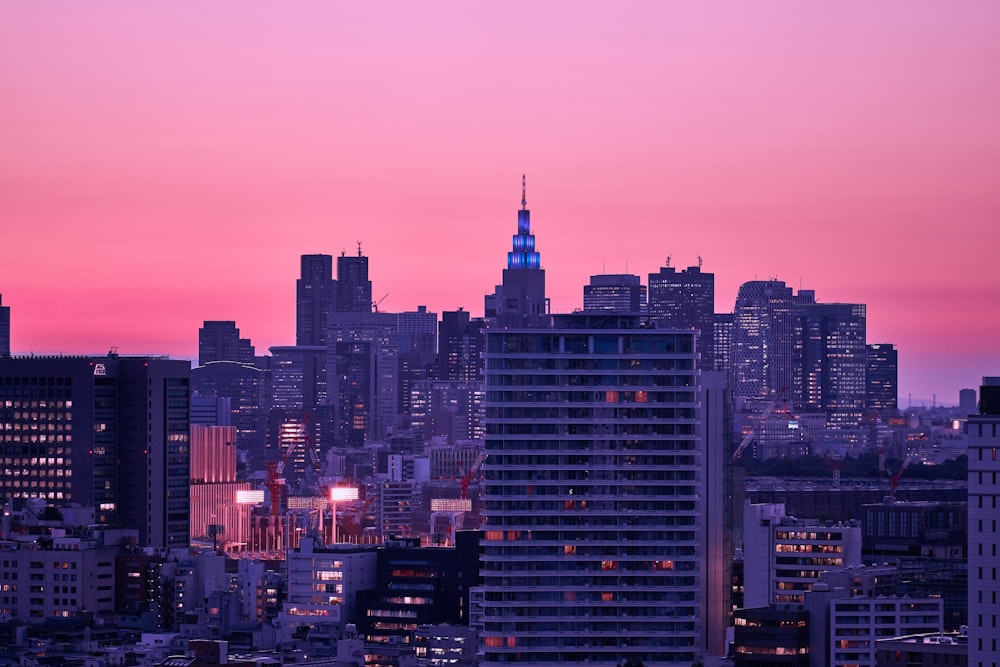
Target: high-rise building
(315, 299)
(248, 390)
(216, 512)
(723, 347)
(417, 339)
(686, 300)
(354, 290)
(520, 300)
(107, 432)
(354, 409)
(381, 330)
(883, 380)
(830, 362)
(763, 339)
(967, 401)
(617, 293)
(298, 377)
(4, 329)
(461, 341)
(983, 432)
(593, 544)
(219, 340)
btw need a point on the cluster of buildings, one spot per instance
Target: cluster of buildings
(522, 487)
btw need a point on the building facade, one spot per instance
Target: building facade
(592, 545)
(685, 300)
(315, 299)
(617, 293)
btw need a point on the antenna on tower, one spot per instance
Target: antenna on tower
(524, 193)
(668, 260)
(699, 261)
(359, 248)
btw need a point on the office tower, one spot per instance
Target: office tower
(883, 380)
(217, 515)
(379, 329)
(4, 329)
(247, 389)
(592, 548)
(983, 432)
(315, 299)
(723, 342)
(966, 401)
(761, 361)
(104, 432)
(830, 362)
(685, 300)
(417, 339)
(617, 293)
(298, 377)
(461, 342)
(354, 290)
(520, 300)
(354, 409)
(220, 341)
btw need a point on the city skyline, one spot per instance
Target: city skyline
(166, 166)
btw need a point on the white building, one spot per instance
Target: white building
(783, 555)
(983, 432)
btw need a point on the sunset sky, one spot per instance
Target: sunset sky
(166, 163)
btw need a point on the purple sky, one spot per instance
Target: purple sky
(163, 164)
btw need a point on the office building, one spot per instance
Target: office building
(417, 340)
(770, 636)
(380, 330)
(883, 381)
(298, 377)
(4, 329)
(315, 299)
(723, 336)
(983, 433)
(219, 340)
(217, 515)
(966, 401)
(593, 544)
(763, 339)
(354, 290)
(520, 300)
(686, 300)
(783, 556)
(104, 432)
(616, 293)
(247, 389)
(830, 362)
(461, 341)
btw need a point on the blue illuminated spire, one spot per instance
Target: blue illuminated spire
(523, 255)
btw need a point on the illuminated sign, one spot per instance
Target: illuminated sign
(100, 370)
(451, 505)
(339, 493)
(249, 497)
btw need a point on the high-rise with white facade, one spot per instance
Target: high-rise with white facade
(593, 548)
(983, 432)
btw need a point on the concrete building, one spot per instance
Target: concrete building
(104, 432)
(983, 433)
(593, 549)
(883, 380)
(685, 300)
(617, 293)
(923, 650)
(783, 556)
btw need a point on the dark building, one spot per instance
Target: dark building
(418, 586)
(355, 406)
(830, 361)
(460, 347)
(723, 336)
(354, 290)
(771, 636)
(520, 300)
(617, 293)
(219, 340)
(4, 329)
(883, 380)
(315, 299)
(104, 432)
(685, 300)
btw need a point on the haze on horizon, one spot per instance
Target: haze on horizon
(168, 164)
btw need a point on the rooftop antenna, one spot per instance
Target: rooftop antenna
(359, 248)
(699, 260)
(524, 193)
(668, 260)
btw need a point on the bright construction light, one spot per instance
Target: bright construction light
(339, 493)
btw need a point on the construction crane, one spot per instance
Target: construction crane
(454, 509)
(894, 478)
(759, 419)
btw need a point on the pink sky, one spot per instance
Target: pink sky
(163, 164)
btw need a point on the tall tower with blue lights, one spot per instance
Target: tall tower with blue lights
(520, 301)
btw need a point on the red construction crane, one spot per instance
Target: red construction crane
(757, 421)
(894, 479)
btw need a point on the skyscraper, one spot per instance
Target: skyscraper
(685, 300)
(4, 329)
(354, 290)
(520, 300)
(219, 340)
(593, 545)
(883, 382)
(617, 293)
(763, 339)
(315, 299)
(831, 360)
(104, 432)
(379, 329)
(983, 431)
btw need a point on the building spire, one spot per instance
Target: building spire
(524, 193)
